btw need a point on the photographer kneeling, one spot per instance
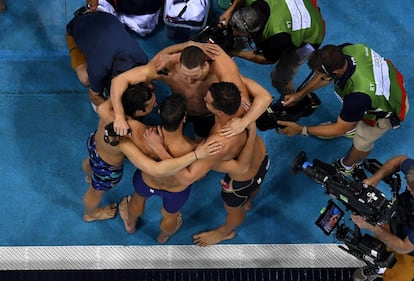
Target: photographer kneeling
(399, 234)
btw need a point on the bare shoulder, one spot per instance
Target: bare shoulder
(231, 147)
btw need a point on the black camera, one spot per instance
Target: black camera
(220, 35)
(363, 200)
(277, 111)
(110, 136)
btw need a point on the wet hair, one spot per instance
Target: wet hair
(247, 20)
(327, 59)
(409, 177)
(192, 57)
(135, 98)
(172, 112)
(227, 97)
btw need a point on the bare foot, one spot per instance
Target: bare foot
(164, 236)
(105, 213)
(212, 237)
(130, 227)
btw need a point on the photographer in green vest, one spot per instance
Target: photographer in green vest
(284, 33)
(373, 95)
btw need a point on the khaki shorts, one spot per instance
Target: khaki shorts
(76, 56)
(366, 135)
(288, 66)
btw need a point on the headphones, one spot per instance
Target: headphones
(323, 68)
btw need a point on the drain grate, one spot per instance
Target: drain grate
(255, 274)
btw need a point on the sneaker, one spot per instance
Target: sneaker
(350, 134)
(358, 173)
(341, 169)
(366, 274)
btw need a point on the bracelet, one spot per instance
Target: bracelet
(195, 154)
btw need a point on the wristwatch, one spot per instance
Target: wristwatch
(305, 131)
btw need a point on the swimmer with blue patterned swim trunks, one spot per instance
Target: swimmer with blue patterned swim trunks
(104, 176)
(104, 164)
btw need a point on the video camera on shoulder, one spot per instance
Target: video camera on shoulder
(366, 201)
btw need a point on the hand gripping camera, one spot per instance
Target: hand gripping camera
(277, 111)
(363, 200)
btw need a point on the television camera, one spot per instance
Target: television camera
(278, 111)
(366, 201)
(221, 35)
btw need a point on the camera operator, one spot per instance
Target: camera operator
(273, 26)
(400, 239)
(373, 95)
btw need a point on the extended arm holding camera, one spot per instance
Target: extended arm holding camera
(390, 166)
(398, 245)
(318, 81)
(336, 129)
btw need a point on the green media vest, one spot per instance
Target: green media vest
(299, 18)
(377, 78)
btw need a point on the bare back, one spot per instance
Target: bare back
(110, 154)
(177, 145)
(259, 154)
(137, 137)
(231, 147)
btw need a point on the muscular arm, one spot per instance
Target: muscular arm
(143, 73)
(324, 130)
(390, 166)
(398, 245)
(261, 100)
(166, 167)
(251, 56)
(318, 81)
(191, 173)
(163, 168)
(242, 164)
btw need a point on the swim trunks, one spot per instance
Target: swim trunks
(237, 193)
(104, 176)
(172, 201)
